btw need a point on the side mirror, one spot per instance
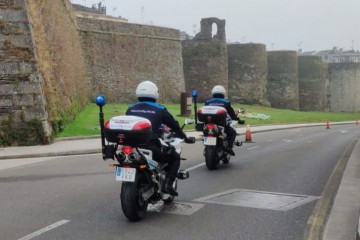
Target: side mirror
(189, 121)
(100, 100)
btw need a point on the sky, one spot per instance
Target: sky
(312, 25)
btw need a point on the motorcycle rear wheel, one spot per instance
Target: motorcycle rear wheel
(132, 204)
(211, 157)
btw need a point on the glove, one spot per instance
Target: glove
(241, 121)
(181, 135)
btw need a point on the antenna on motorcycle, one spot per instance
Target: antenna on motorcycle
(101, 101)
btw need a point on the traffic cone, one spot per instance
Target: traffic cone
(248, 134)
(357, 122)
(327, 124)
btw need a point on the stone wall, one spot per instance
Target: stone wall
(119, 55)
(283, 84)
(313, 84)
(206, 60)
(248, 70)
(42, 74)
(21, 96)
(344, 87)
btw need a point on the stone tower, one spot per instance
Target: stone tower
(283, 84)
(248, 70)
(205, 59)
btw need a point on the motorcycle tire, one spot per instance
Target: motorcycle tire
(211, 157)
(132, 204)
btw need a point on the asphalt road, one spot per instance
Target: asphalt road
(268, 191)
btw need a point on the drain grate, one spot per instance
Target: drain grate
(258, 199)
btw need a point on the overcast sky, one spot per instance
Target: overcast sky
(280, 24)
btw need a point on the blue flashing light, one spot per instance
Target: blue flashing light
(100, 100)
(194, 93)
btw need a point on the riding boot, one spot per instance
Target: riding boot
(230, 151)
(168, 186)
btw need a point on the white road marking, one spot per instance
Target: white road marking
(196, 166)
(253, 147)
(45, 229)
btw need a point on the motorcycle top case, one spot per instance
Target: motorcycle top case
(212, 114)
(132, 130)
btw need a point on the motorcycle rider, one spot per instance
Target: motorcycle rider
(146, 107)
(218, 99)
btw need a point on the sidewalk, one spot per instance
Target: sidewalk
(343, 222)
(81, 145)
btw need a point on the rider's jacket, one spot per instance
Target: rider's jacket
(221, 102)
(157, 115)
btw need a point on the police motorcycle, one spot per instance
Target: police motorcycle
(214, 119)
(142, 178)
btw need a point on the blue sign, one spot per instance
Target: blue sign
(194, 93)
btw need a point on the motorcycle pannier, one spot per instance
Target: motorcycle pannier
(212, 114)
(128, 130)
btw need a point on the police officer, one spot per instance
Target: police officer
(146, 107)
(218, 93)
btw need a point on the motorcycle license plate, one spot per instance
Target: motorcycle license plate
(125, 174)
(210, 141)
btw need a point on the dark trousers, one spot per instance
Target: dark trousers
(172, 159)
(231, 135)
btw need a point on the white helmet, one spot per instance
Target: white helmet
(147, 89)
(218, 89)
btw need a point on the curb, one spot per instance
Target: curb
(52, 154)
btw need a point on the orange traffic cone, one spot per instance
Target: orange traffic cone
(327, 124)
(248, 134)
(357, 122)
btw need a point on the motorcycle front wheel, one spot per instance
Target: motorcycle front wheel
(211, 157)
(132, 204)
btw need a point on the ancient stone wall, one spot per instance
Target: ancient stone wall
(205, 59)
(248, 70)
(42, 74)
(60, 59)
(313, 84)
(283, 84)
(119, 55)
(21, 97)
(344, 87)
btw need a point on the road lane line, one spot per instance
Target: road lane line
(45, 229)
(251, 148)
(196, 166)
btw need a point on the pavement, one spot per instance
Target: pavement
(343, 221)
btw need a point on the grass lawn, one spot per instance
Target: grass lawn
(87, 123)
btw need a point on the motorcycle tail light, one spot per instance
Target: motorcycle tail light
(210, 129)
(210, 126)
(127, 149)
